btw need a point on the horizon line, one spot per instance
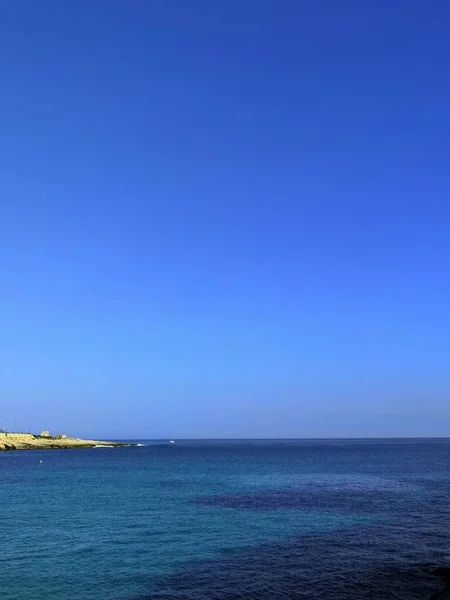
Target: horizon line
(418, 437)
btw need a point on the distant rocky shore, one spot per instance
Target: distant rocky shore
(28, 441)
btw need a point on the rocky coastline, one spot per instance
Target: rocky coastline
(28, 441)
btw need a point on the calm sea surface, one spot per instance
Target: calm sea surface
(206, 520)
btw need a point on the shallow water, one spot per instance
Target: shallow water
(205, 520)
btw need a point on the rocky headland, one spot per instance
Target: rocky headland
(28, 441)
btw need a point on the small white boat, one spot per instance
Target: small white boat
(171, 441)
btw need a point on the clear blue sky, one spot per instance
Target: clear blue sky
(225, 218)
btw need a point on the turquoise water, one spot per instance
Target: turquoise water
(213, 519)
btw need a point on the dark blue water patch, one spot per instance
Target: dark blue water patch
(342, 499)
(333, 566)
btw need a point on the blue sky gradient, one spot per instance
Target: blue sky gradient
(225, 218)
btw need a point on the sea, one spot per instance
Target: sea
(226, 520)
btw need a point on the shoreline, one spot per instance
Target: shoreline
(9, 442)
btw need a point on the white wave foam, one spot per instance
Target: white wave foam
(102, 446)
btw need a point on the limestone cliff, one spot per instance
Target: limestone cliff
(27, 441)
